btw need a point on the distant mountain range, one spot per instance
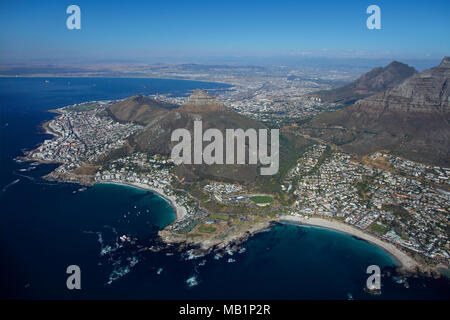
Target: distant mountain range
(374, 81)
(410, 119)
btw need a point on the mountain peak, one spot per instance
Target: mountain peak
(375, 81)
(445, 62)
(201, 101)
(396, 64)
(410, 119)
(201, 98)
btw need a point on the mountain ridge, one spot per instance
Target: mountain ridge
(411, 120)
(155, 138)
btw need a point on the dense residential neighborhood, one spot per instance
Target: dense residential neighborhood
(400, 203)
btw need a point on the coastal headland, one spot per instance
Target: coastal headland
(405, 262)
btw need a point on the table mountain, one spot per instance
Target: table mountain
(374, 81)
(411, 120)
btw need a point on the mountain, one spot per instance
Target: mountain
(372, 82)
(155, 138)
(411, 120)
(138, 109)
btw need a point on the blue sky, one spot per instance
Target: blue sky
(139, 30)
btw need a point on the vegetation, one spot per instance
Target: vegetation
(193, 235)
(262, 199)
(378, 228)
(398, 211)
(324, 156)
(82, 107)
(291, 148)
(362, 187)
(190, 226)
(203, 228)
(219, 217)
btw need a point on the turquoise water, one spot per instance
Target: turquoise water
(48, 226)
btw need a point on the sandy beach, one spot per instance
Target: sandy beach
(406, 262)
(180, 210)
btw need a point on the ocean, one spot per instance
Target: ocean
(47, 226)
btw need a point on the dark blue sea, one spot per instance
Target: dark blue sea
(47, 226)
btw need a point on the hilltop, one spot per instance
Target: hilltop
(138, 109)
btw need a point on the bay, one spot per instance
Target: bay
(47, 226)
